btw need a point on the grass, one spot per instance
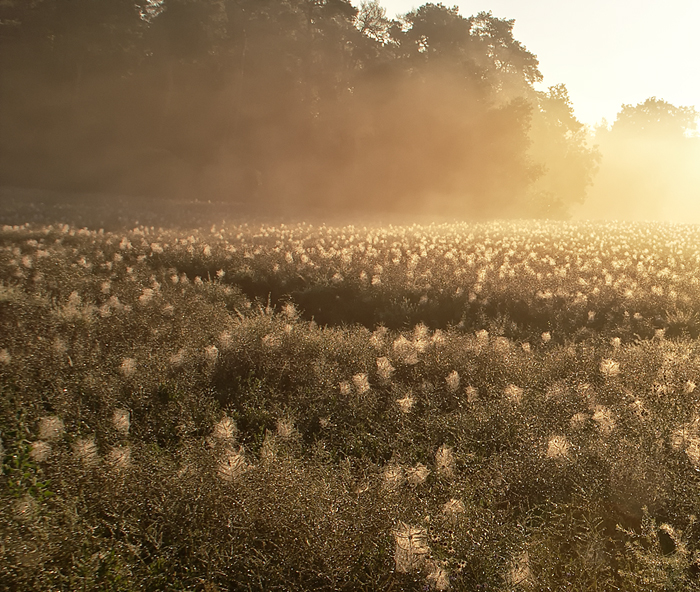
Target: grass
(504, 406)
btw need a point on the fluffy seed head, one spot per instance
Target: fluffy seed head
(452, 382)
(85, 451)
(558, 448)
(417, 475)
(232, 465)
(119, 458)
(121, 421)
(128, 367)
(361, 383)
(445, 462)
(51, 428)
(609, 368)
(411, 547)
(384, 369)
(40, 451)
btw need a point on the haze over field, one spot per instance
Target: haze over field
(315, 109)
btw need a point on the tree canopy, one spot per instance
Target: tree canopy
(286, 103)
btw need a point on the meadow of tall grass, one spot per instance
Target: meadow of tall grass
(500, 406)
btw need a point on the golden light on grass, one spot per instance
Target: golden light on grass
(438, 578)
(361, 383)
(392, 477)
(513, 393)
(519, 573)
(406, 404)
(405, 351)
(453, 508)
(411, 547)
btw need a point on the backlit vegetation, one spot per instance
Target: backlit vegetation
(502, 406)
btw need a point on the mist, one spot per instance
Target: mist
(295, 108)
(649, 168)
(317, 110)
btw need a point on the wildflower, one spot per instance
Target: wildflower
(345, 389)
(411, 547)
(609, 368)
(558, 448)
(417, 475)
(526, 347)
(220, 274)
(452, 381)
(232, 465)
(615, 342)
(156, 249)
(128, 367)
(86, 452)
(120, 421)
(689, 387)
(51, 428)
(40, 451)
(5, 357)
(384, 369)
(546, 337)
(119, 457)
(445, 462)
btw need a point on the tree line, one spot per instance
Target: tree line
(286, 104)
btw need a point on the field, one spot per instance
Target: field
(497, 406)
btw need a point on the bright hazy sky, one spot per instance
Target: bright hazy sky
(606, 52)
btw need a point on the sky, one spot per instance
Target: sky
(607, 52)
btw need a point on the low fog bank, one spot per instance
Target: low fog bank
(649, 166)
